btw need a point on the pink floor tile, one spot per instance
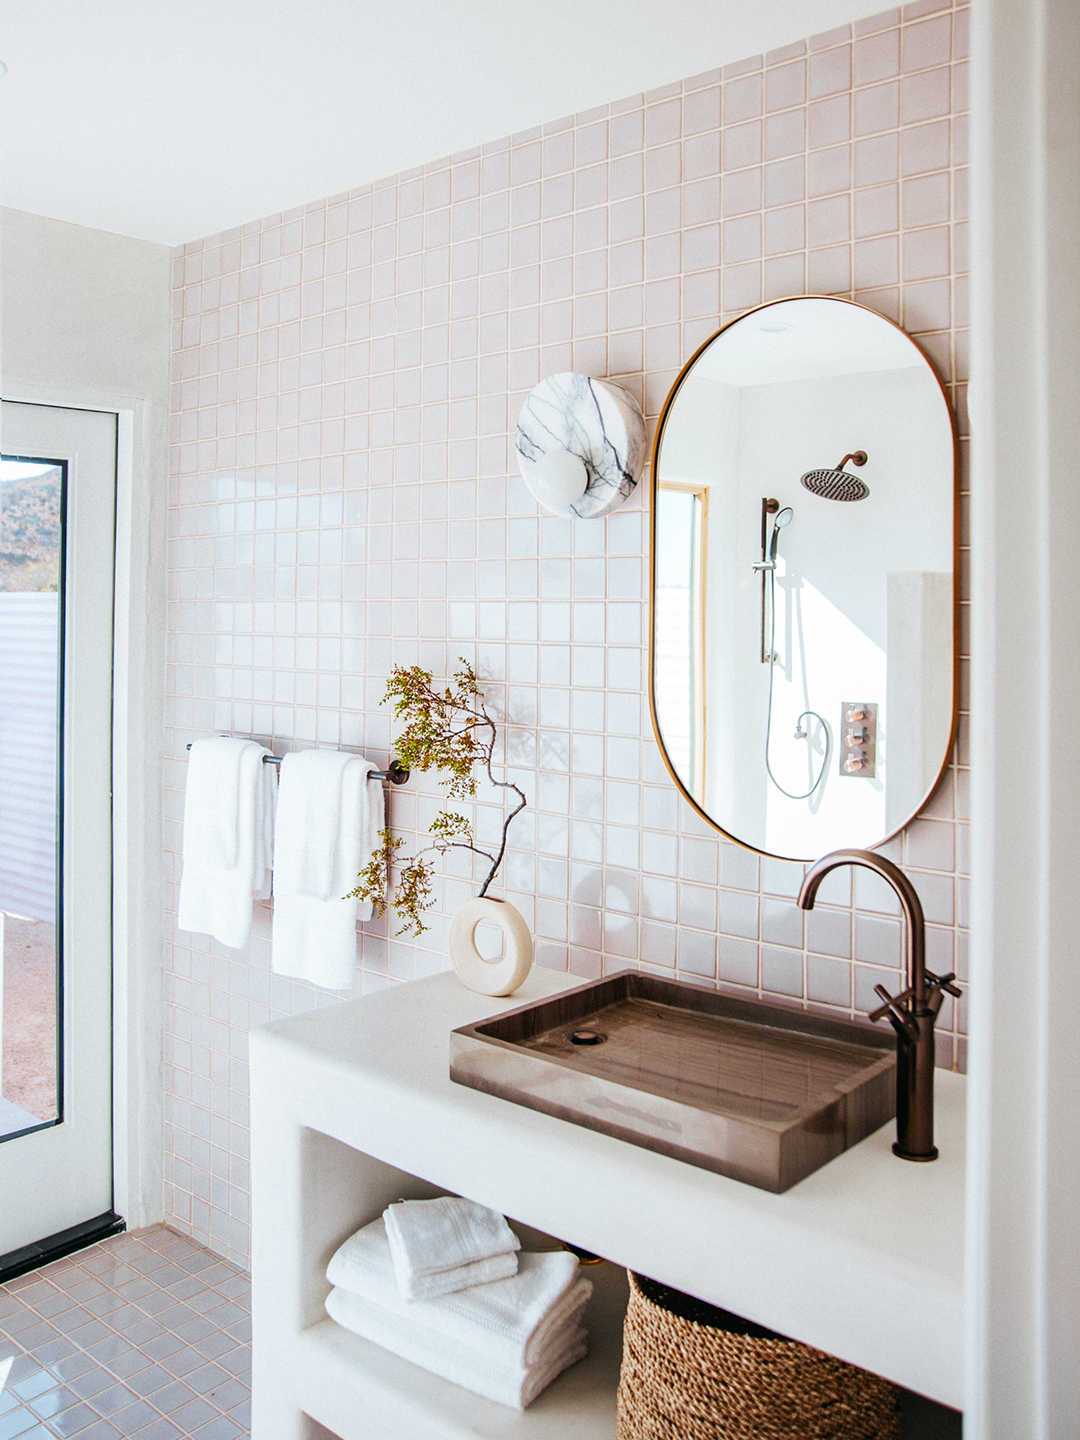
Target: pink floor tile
(155, 1345)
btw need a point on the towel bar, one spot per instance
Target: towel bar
(396, 774)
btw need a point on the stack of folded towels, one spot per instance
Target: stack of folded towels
(441, 1283)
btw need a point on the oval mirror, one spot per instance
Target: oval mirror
(803, 579)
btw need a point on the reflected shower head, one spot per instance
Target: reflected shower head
(784, 518)
(838, 484)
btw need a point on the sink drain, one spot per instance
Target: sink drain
(586, 1037)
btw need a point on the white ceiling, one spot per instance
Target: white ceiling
(806, 339)
(172, 119)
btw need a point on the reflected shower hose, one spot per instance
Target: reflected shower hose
(800, 734)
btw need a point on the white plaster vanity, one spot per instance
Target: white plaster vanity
(353, 1107)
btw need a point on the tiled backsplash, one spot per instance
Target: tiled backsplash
(345, 496)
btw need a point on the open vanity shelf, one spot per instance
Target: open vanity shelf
(353, 1107)
(358, 1389)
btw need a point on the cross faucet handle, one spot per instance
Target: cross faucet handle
(898, 1014)
(944, 982)
(937, 986)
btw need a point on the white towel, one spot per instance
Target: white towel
(465, 1365)
(459, 1277)
(513, 1319)
(436, 1245)
(228, 837)
(328, 811)
(372, 820)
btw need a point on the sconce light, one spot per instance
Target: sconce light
(581, 445)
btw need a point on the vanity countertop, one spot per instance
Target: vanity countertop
(863, 1259)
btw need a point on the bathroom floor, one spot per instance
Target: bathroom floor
(143, 1334)
(147, 1336)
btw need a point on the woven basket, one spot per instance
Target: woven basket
(682, 1380)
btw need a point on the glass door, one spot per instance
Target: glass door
(57, 504)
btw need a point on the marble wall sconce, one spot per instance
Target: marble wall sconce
(581, 445)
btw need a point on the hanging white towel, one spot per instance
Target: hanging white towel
(514, 1320)
(325, 817)
(372, 820)
(435, 1245)
(228, 837)
(454, 1360)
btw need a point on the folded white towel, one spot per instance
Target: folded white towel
(228, 837)
(512, 1319)
(430, 1240)
(465, 1365)
(460, 1277)
(327, 804)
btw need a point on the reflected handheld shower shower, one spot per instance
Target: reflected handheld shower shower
(768, 568)
(784, 518)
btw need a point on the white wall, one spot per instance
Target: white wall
(85, 323)
(1023, 1259)
(84, 311)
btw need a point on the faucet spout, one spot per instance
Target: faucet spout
(912, 1013)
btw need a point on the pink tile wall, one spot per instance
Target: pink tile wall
(344, 495)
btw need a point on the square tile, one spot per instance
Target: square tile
(16, 1423)
(219, 1429)
(112, 1399)
(133, 1418)
(219, 1346)
(90, 1382)
(162, 1429)
(162, 1347)
(35, 1384)
(132, 1362)
(148, 1380)
(72, 1421)
(229, 1393)
(204, 1379)
(190, 1416)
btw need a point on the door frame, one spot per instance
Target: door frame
(139, 641)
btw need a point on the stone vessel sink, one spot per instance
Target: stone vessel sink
(755, 1091)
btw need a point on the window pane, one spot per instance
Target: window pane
(677, 621)
(31, 504)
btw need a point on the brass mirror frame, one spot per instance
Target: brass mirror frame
(653, 488)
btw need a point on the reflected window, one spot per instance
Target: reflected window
(679, 624)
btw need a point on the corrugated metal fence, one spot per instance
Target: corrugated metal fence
(28, 745)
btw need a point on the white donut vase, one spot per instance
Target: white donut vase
(490, 977)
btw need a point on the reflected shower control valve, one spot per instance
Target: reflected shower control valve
(858, 739)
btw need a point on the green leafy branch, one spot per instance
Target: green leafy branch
(448, 730)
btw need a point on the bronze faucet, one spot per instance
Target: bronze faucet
(912, 1013)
